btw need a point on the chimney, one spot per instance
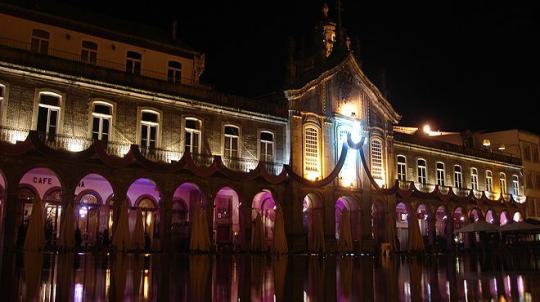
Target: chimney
(174, 25)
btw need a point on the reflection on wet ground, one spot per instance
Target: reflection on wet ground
(178, 277)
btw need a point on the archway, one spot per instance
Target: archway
(346, 202)
(425, 221)
(312, 213)
(377, 222)
(2, 201)
(442, 227)
(402, 226)
(460, 220)
(475, 215)
(184, 198)
(517, 217)
(504, 218)
(265, 205)
(94, 215)
(491, 217)
(226, 218)
(45, 184)
(144, 195)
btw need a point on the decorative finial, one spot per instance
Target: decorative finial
(325, 10)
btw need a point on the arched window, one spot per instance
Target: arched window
(515, 185)
(489, 181)
(48, 114)
(401, 168)
(101, 121)
(174, 72)
(458, 177)
(474, 179)
(40, 41)
(133, 62)
(311, 153)
(266, 146)
(89, 52)
(232, 138)
(502, 183)
(377, 170)
(192, 132)
(440, 174)
(149, 129)
(421, 171)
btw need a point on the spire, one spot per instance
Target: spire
(328, 32)
(340, 32)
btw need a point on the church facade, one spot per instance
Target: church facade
(93, 117)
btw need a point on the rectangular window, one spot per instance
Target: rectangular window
(231, 141)
(515, 185)
(40, 41)
(529, 180)
(2, 89)
(502, 183)
(266, 145)
(422, 173)
(474, 179)
(193, 136)
(534, 151)
(311, 150)
(48, 114)
(133, 62)
(458, 177)
(377, 159)
(149, 129)
(440, 174)
(89, 52)
(174, 72)
(401, 168)
(526, 152)
(101, 122)
(489, 181)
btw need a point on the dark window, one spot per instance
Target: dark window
(47, 99)
(266, 136)
(174, 72)
(231, 130)
(89, 52)
(40, 41)
(133, 62)
(149, 117)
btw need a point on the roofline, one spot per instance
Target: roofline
(91, 29)
(294, 93)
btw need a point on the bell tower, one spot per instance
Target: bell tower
(328, 32)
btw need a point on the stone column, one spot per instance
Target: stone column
(165, 219)
(13, 217)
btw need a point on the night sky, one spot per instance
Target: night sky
(458, 65)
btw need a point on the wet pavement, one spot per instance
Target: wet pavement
(244, 277)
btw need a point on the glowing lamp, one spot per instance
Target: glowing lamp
(486, 142)
(312, 175)
(83, 211)
(427, 129)
(75, 145)
(502, 147)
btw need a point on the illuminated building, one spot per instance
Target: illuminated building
(524, 145)
(96, 117)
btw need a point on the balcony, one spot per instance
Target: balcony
(119, 149)
(461, 192)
